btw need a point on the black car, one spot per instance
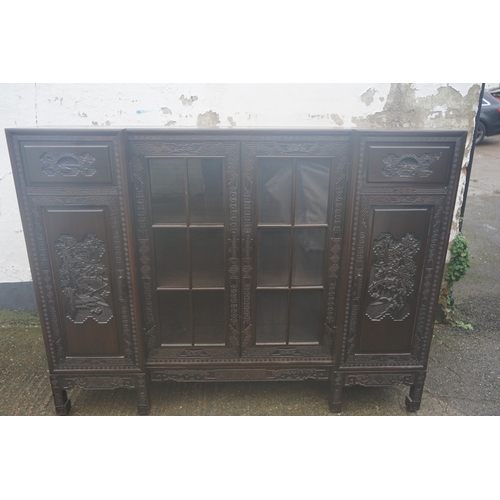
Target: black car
(489, 119)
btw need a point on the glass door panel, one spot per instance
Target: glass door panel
(293, 198)
(188, 201)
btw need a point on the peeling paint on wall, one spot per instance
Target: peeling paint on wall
(188, 101)
(366, 105)
(208, 119)
(336, 118)
(405, 109)
(369, 96)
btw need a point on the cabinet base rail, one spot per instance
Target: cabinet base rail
(141, 382)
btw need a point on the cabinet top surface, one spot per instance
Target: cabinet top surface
(230, 132)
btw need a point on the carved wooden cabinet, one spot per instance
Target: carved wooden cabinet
(232, 255)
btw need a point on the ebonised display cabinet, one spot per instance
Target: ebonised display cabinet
(236, 255)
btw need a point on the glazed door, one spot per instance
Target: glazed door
(294, 196)
(187, 225)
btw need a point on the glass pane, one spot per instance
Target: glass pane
(206, 204)
(171, 257)
(207, 254)
(271, 316)
(174, 317)
(167, 190)
(308, 256)
(312, 188)
(209, 314)
(305, 315)
(273, 256)
(275, 190)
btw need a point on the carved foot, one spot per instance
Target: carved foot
(61, 401)
(414, 399)
(336, 384)
(412, 405)
(143, 406)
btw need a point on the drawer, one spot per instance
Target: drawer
(66, 162)
(409, 158)
(409, 164)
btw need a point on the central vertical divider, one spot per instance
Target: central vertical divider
(290, 264)
(188, 235)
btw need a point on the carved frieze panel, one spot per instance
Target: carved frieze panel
(237, 374)
(409, 165)
(68, 164)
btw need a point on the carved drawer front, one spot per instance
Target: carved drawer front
(67, 162)
(412, 163)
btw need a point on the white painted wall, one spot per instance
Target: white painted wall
(428, 105)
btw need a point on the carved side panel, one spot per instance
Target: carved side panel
(71, 193)
(79, 254)
(403, 198)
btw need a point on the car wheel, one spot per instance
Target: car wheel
(481, 133)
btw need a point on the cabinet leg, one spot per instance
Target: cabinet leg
(336, 384)
(416, 390)
(144, 404)
(61, 401)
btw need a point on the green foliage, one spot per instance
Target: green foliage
(459, 262)
(456, 269)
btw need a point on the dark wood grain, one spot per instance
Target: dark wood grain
(232, 255)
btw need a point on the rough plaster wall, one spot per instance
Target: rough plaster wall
(364, 105)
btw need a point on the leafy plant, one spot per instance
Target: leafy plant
(460, 260)
(456, 269)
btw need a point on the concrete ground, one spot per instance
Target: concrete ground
(464, 366)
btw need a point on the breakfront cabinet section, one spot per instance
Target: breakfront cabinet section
(239, 243)
(71, 190)
(218, 255)
(402, 198)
